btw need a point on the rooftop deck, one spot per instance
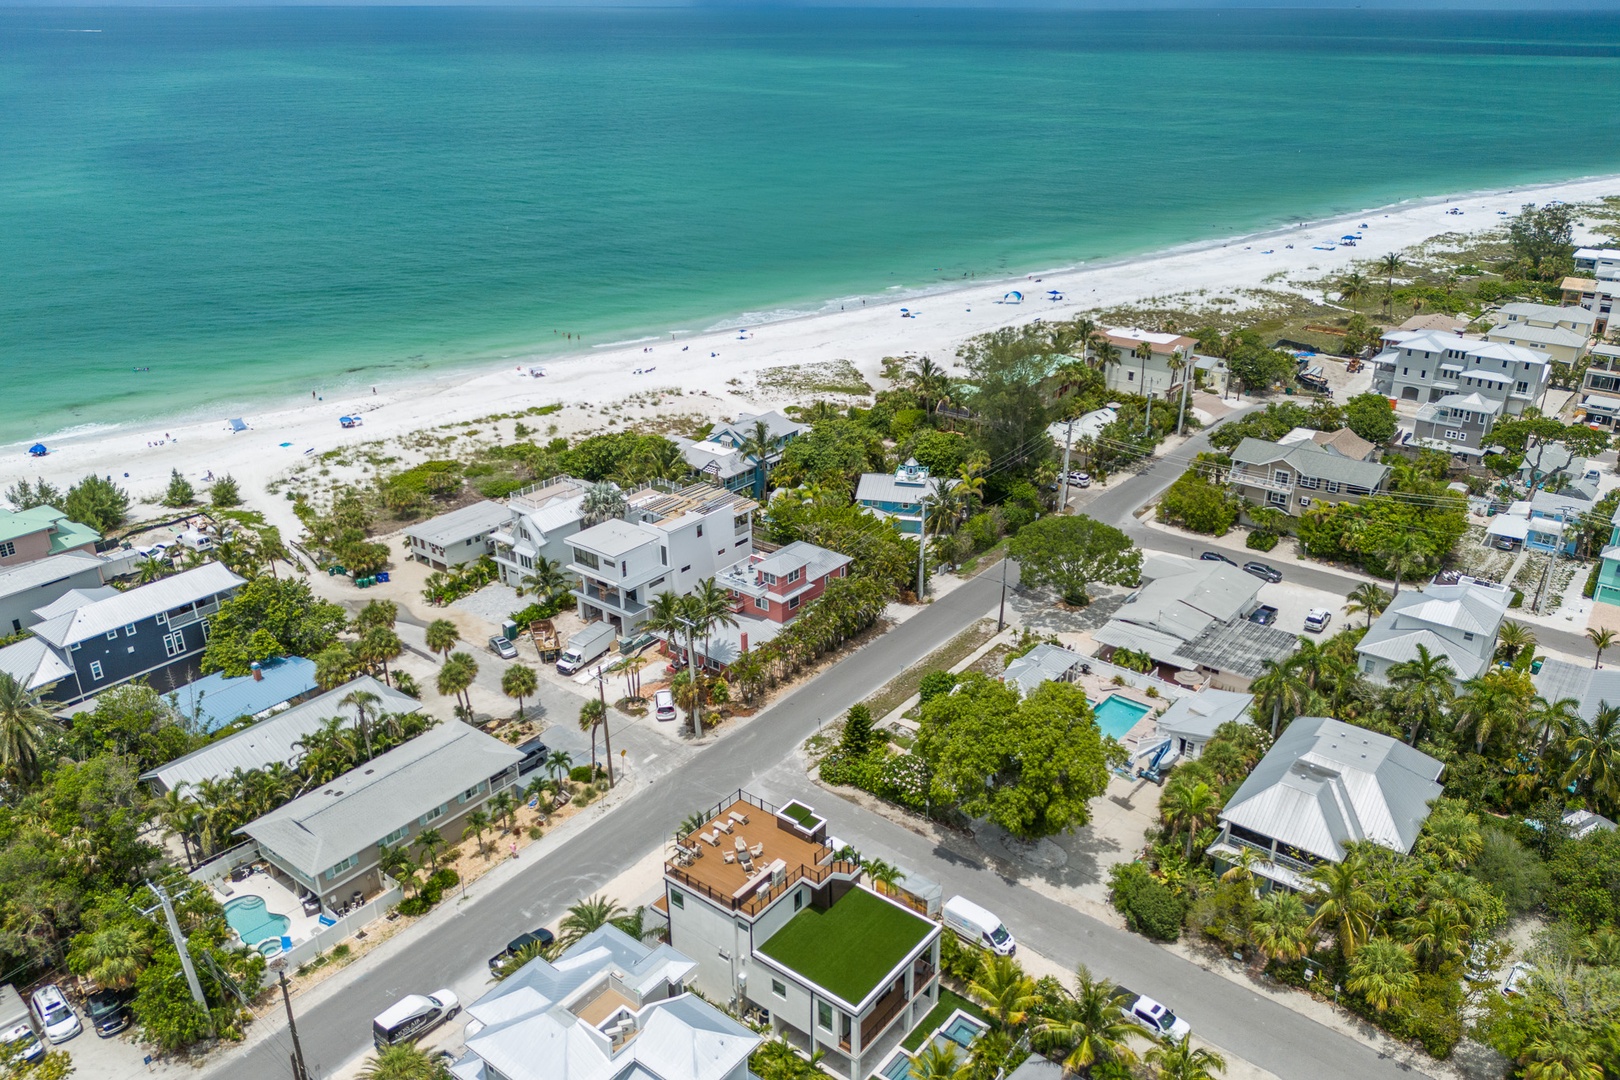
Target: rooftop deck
(746, 854)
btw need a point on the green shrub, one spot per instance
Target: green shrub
(935, 683)
(580, 774)
(340, 952)
(444, 878)
(538, 610)
(536, 832)
(1260, 541)
(1149, 907)
(1589, 590)
(416, 905)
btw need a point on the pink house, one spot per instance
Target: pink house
(776, 586)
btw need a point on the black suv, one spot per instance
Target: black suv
(517, 944)
(109, 1011)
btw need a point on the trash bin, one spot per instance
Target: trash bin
(382, 575)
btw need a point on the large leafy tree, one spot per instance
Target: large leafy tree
(1370, 416)
(98, 503)
(1071, 553)
(285, 609)
(1031, 766)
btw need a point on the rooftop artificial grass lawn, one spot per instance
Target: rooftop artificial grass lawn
(849, 948)
(800, 813)
(949, 1002)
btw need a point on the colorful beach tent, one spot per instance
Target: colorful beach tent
(1013, 297)
(238, 424)
(38, 450)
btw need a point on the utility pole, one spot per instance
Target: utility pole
(1001, 612)
(1187, 368)
(601, 695)
(1068, 441)
(300, 1071)
(922, 544)
(179, 940)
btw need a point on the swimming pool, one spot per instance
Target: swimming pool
(898, 1068)
(962, 1029)
(252, 923)
(1116, 715)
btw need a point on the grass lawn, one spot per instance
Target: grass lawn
(949, 1002)
(800, 813)
(850, 947)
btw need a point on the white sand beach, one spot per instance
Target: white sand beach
(701, 365)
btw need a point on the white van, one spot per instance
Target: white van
(17, 1035)
(412, 1016)
(974, 924)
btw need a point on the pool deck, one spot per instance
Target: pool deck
(1098, 687)
(278, 900)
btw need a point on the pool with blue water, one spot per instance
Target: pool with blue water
(1116, 715)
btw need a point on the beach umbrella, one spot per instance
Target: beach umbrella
(38, 450)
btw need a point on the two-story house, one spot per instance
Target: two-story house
(40, 532)
(668, 542)
(541, 520)
(777, 585)
(609, 1008)
(89, 640)
(720, 459)
(1322, 785)
(1454, 619)
(27, 587)
(1608, 582)
(1421, 366)
(1160, 374)
(1457, 424)
(776, 922)
(1595, 284)
(900, 496)
(459, 537)
(327, 843)
(1600, 387)
(1295, 477)
(1561, 332)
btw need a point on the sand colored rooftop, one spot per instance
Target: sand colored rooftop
(743, 847)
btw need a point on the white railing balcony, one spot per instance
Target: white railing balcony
(1247, 479)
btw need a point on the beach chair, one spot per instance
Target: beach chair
(710, 839)
(742, 845)
(757, 850)
(729, 857)
(723, 826)
(741, 819)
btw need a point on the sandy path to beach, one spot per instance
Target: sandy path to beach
(702, 364)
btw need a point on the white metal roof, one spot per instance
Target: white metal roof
(1198, 715)
(33, 663)
(461, 525)
(100, 616)
(42, 572)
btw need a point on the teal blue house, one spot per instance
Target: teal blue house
(899, 496)
(1608, 582)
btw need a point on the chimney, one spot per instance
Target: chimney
(258, 674)
(744, 641)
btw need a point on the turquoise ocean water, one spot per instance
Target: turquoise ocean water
(255, 203)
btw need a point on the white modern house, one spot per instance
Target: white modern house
(1457, 620)
(459, 537)
(1322, 785)
(1420, 366)
(540, 521)
(609, 1008)
(1190, 721)
(1600, 386)
(776, 923)
(668, 541)
(1595, 284)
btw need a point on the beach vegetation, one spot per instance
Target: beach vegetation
(225, 492)
(25, 496)
(179, 492)
(98, 503)
(280, 614)
(1068, 554)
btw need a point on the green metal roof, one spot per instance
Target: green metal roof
(18, 523)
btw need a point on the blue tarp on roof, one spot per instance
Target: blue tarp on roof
(215, 700)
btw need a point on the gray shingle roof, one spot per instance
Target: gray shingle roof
(460, 525)
(272, 739)
(1308, 459)
(362, 806)
(134, 605)
(1326, 783)
(41, 572)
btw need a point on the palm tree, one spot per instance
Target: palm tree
(758, 444)
(1281, 929)
(111, 957)
(456, 678)
(477, 825)
(1089, 1027)
(1279, 687)
(1184, 1061)
(402, 1062)
(1367, 597)
(930, 383)
(939, 1061)
(1402, 554)
(603, 501)
(1552, 721)
(1190, 804)
(1488, 705)
(377, 613)
(22, 730)
(152, 569)
(1601, 639)
(1389, 266)
(1423, 688)
(884, 876)
(1512, 639)
(592, 714)
(546, 580)
(430, 842)
(377, 646)
(1561, 1051)
(1343, 902)
(179, 814)
(1006, 993)
(1352, 287)
(365, 705)
(587, 916)
(503, 808)
(1381, 972)
(558, 763)
(519, 681)
(396, 862)
(442, 636)
(1435, 933)
(1594, 753)
(707, 607)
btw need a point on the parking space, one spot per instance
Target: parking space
(1293, 602)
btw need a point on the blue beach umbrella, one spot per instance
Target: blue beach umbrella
(38, 450)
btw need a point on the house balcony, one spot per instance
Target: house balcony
(197, 613)
(613, 598)
(884, 1010)
(1269, 483)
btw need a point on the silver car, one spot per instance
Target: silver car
(502, 648)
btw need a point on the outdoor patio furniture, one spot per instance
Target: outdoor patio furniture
(741, 819)
(710, 839)
(723, 826)
(757, 850)
(742, 845)
(312, 905)
(729, 857)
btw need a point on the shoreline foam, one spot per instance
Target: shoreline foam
(597, 375)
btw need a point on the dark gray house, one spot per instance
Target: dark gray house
(90, 640)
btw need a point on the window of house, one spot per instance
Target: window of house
(1367, 666)
(793, 603)
(470, 793)
(700, 528)
(1280, 475)
(1468, 635)
(770, 579)
(434, 814)
(1309, 482)
(1304, 500)
(793, 576)
(763, 604)
(779, 988)
(824, 1015)
(112, 635)
(1455, 435)
(1333, 487)
(685, 568)
(1130, 376)
(525, 562)
(174, 644)
(740, 524)
(394, 837)
(7, 549)
(1277, 498)
(347, 864)
(677, 898)
(1522, 387)
(162, 618)
(585, 558)
(798, 899)
(95, 669)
